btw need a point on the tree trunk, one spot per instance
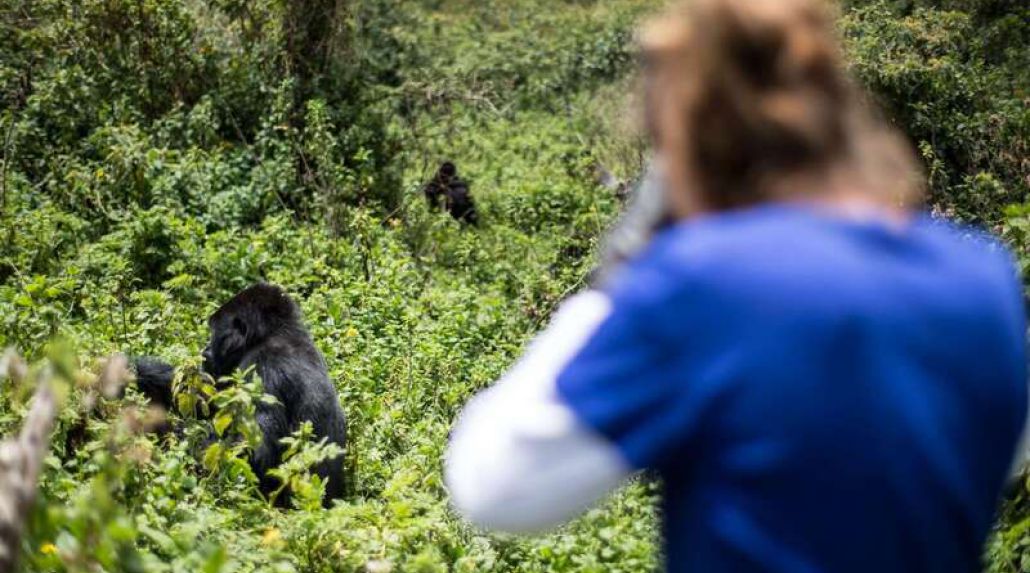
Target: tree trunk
(314, 32)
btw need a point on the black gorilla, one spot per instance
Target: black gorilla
(454, 193)
(262, 327)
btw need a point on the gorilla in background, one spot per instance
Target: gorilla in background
(448, 188)
(262, 327)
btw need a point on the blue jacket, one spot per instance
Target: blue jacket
(819, 394)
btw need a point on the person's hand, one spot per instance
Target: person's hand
(646, 214)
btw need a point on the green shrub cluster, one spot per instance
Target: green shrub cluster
(955, 76)
(112, 106)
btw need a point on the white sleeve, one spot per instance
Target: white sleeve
(519, 460)
(1021, 458)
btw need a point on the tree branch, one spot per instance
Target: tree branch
(21, 458)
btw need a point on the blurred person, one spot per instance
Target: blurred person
(826, 379)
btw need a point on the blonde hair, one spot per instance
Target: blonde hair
(746, 96)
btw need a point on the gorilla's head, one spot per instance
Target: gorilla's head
(243, 322)
(448, 171)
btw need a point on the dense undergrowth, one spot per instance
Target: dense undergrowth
(160, 155)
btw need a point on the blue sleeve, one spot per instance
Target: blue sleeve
(627, 384)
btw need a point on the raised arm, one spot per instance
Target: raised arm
(519, 459)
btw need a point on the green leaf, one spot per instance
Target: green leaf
(216, 561)
(213, 456)
(185, 403)
(162, 540)
(222, 421)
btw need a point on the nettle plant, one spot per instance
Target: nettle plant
(296, 473)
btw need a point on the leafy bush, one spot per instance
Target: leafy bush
(955, 76)
(112, 105)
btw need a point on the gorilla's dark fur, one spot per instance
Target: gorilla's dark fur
(262, 327)
(154, 380)
(447, 188)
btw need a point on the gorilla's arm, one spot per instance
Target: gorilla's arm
(271, 418)
(154, 380)
(274, 424)
(460, 203)
(432, 193)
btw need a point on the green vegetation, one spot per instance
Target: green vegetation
(160, 155)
